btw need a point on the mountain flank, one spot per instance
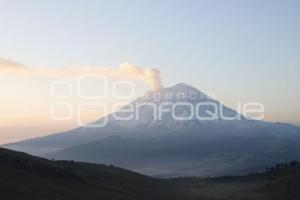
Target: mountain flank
(168, 147)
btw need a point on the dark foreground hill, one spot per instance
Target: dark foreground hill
(27, 177)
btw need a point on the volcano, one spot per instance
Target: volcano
(176, 131)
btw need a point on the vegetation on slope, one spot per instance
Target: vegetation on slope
(27, 177)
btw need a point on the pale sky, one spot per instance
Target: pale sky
(240, 51)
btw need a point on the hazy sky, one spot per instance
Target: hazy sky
(243, 50)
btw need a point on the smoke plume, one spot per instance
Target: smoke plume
(151, 76)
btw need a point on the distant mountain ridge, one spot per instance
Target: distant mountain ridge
(171, 147)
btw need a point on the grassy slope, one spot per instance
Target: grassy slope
(27, 177)
(279, 184)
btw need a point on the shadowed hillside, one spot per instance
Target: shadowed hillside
(27, 177)
(281, 182)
